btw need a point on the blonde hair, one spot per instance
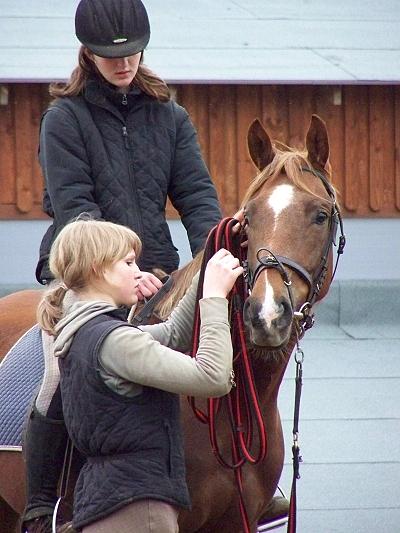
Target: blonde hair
(145, 79)
(80, 252)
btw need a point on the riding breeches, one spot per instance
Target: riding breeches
(143, 516)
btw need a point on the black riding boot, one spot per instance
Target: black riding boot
(44, 450)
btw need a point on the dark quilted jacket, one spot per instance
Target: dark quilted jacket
(133, 445)
(120, 163)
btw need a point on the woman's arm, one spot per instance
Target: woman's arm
(191, 189)
(134, 356)
(65, 166)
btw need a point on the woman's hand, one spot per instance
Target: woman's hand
(221, 273)
(148, 285)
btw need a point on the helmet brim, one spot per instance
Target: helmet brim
(116, 50)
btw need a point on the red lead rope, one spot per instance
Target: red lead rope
(242, 402)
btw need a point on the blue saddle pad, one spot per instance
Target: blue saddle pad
(21, 372)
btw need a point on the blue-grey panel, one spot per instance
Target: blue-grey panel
(183, 65)
(356, 10)
(340, 398)
(36, 8)
(283, 42)
(346, 487)
(348, 359)
(345, 441)
(358, 262)
(383, 520)
(368, 64)
(258, 33)
(364, 311)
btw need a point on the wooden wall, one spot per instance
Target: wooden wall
(363, 124)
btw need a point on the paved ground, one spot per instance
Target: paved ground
(350, 414)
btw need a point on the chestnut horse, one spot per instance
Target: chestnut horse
(290, 216)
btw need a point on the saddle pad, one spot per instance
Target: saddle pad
(21, 372)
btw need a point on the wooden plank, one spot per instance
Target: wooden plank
(248, 108)
(328, 104)
(7, 152)
(300, 108)
(356, 148)
(37, 108)
(223, 149)
(195, 100)
(330, 107)
(23, 147)
(363, 125)
(397, 145)
(381, 177)
(275, 113)
(11, 211)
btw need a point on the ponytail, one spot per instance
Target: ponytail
(50, 308)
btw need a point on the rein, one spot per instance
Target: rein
(242, 402)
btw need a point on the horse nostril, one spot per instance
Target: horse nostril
(285, 315)
(251, 313)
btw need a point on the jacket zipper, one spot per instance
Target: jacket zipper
(126, 137)
(139, 225)
(124, 99)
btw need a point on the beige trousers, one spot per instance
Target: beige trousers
(143, 516)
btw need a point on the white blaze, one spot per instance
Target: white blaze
(269, 309)
(280, 199)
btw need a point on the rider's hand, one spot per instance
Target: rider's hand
(148, 285)
(221, 273)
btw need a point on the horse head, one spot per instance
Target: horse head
(291, 218)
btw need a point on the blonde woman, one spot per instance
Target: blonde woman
(120, 384)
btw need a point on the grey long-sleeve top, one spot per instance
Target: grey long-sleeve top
(131, 357)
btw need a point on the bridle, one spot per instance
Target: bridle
(267, 259)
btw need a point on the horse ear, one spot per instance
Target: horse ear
(259, 145)
(317, 142)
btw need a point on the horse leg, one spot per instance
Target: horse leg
(9, 519)
(12, 480)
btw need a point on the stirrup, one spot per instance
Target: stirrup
(275, 522)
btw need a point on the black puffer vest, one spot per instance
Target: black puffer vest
(121, 163)
(133, 445)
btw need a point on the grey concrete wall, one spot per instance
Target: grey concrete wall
(372, 250)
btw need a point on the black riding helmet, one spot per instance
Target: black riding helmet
(112, 28)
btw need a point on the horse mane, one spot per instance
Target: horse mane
(289, 161)
(181, 280)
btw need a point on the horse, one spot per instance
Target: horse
(290, 220)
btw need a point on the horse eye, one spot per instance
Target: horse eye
(321, 217)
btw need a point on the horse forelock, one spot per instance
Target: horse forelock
(290, 162)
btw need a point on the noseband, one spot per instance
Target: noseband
(267, 259)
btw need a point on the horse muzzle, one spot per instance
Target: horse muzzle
(268, 329)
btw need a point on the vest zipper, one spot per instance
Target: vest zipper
(126, 137)
(124, 99)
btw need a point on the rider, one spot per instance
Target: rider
(120, 384)
(112, 144)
